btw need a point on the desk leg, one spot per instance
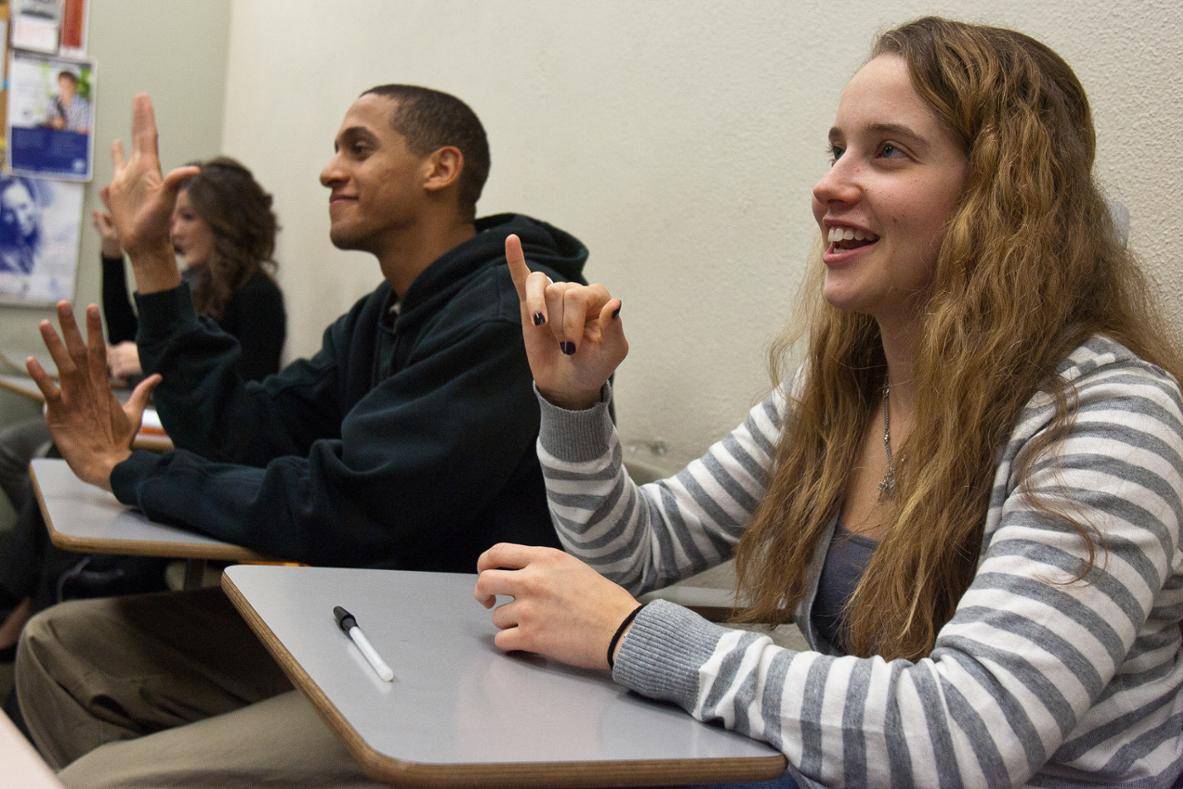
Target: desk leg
(194, 573)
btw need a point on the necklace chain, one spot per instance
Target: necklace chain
(887, 486)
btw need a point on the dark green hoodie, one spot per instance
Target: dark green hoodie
(407, 441)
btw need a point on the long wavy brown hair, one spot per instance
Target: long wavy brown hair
(238, 211)
(1029, 266)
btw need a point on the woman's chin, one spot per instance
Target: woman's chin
(845, 299)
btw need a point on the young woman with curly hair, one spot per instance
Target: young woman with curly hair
(224, 228)
(969, 495)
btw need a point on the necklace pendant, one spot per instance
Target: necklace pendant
(887, 486)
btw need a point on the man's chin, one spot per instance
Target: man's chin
(343, 239)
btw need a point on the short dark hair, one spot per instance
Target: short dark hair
(431, 119)
(70, 75)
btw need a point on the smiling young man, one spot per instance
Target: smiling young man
(407, 441)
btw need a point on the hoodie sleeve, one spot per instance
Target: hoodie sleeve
(117, 311)
(209, 409)
(418, 459)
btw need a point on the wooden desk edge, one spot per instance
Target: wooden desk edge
(599, 773)
(164, 549)
(30, 392)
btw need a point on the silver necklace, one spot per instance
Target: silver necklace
(887, 486)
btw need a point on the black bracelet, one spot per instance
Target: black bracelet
(628, 620)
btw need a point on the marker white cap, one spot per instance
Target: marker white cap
(348, 624)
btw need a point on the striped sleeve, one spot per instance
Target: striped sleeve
(1036, 678)
(644, 537)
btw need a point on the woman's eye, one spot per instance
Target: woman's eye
(890, 151)
(835, 153)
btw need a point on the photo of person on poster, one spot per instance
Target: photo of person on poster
(50, 116)
(40, 222)
(20, 225)
(67, 109)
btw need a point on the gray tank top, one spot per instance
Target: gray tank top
(846, 559)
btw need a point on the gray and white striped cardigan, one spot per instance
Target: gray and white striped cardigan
(1032, 681)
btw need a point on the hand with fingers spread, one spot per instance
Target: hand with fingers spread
(561, 608)
(573, 333)
(91, 428)
(141, 199)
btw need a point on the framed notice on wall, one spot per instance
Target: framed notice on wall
(50, 115)
(36, 24)
(40, 223)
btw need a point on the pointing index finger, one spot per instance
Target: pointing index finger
(516, 259)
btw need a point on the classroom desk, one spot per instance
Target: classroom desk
(459, 711)
(86, 519)
(151, 439)
(23, 766)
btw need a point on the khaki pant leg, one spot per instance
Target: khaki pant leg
(277, 742)
(91, 672)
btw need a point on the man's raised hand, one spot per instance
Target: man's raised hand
(573, 333)
(89, 426)
(141, 199)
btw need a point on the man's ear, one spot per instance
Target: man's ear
(443, 168)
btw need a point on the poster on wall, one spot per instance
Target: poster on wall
(40, 224)
(50, 115)
(35, 24)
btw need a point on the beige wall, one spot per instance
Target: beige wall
(677, 138)
(176, 51)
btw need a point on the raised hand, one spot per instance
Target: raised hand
(561, 608)
(573, 333)
(141, 200)
(90, 427)
(111, 248)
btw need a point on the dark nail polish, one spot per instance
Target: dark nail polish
(539, 319)
(567, 347)
(616, 312)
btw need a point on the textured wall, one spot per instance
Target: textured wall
(175, 51)
(679, 139)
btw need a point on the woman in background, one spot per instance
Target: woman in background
(969, 495)
(224, 228)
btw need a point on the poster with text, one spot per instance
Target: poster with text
(35, 24)
(40, 225)
(50, 115)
